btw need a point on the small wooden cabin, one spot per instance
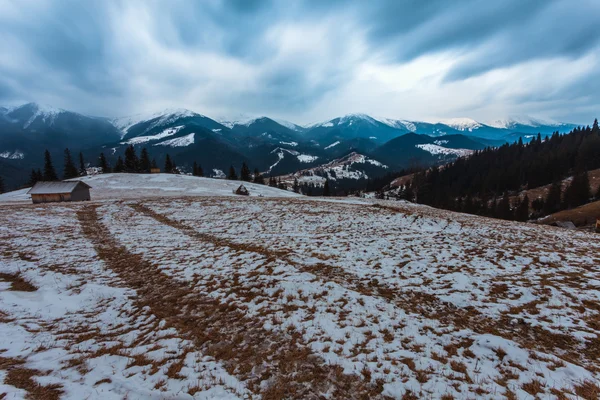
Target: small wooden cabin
(48, 192)
(155, 170)
(242, 191)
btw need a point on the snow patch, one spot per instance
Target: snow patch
(15, 155)
(332, 145)
(144, 139)
(178, 142)
(439, 150)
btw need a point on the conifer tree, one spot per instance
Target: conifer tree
(69, 171)
(144, 161)
(82, 170)
(272, 181)
(552, 202)
(131, 159)
(35, 177)
(153, 164)
(232, 174)
(522, 210)
(120, 165)
(103, 164)
(245, 173)
(296, 186)
(200, 171)
(503, 211)
(49, 172)
(281, 185)
(326, 190)
(2, 187)
(578, 192)
(258, 178)
(168, 165)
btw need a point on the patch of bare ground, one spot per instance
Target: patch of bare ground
(274, 365)
(21, 377)
(17, 282)
(427, 305)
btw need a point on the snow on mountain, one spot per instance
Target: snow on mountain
(160, 118)
(462, 124)
(30, 112)
(398, 123)
(144, 139)
(511, 122)
(182, 141)
(15, 155)
(303, 158)
(347, 167)
(332, 145)
(439, 150)
(289, 125)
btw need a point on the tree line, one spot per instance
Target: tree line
(484, 182)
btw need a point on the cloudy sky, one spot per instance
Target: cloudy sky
(306, 61)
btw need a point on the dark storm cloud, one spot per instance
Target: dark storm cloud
(111, 55)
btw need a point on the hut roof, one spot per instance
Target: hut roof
(55, 187)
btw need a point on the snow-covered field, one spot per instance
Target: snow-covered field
(231, 297)
(123, 186)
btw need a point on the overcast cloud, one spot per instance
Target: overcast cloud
(306, 61)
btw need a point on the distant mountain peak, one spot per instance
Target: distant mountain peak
(162, 117)
(462, 124)
(511, 122)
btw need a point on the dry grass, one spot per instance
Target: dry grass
(23, 378)
(222, 330)
(17, 282)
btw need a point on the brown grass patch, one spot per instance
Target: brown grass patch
(17, 282)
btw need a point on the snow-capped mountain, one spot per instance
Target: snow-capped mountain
(279, 147)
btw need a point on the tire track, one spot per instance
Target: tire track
(427, 305)
(270, 364)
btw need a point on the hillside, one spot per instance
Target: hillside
(131, 186)
(230, 297)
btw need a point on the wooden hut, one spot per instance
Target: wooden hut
(242, 191)
(155, 170)
(48, 192)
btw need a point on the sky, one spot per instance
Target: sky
(306, 60)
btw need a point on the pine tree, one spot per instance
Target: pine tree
(578, 192)
(131, 160)
(120, 165)
(69, 171)
(296, 186)
(103, 164)
(232, 174)
(49, 172)
(504, 211)
(35, 177)
(82, 170)
(272, 181)
(2, 187)
(200, 171)
(168, 165)
(552, 202)
(522, 210)
(245, 174)
(258, 178)
(153, 165)
(326, 190)
(144, 163)
(281, 185)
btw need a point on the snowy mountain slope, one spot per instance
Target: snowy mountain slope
(353, 166)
